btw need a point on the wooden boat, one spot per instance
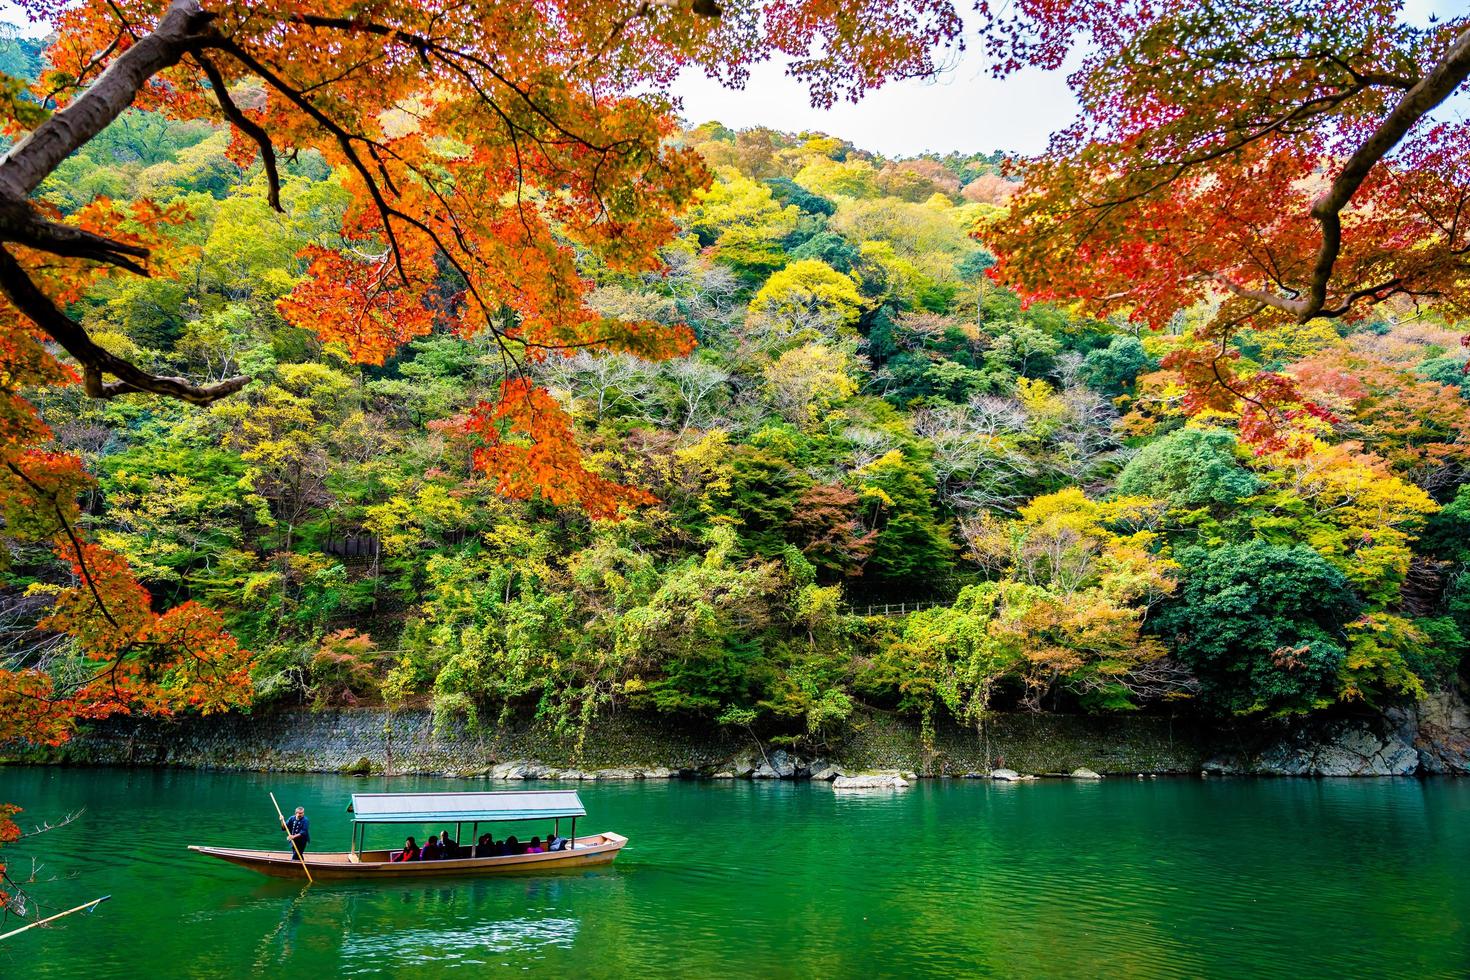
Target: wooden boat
(440, 809)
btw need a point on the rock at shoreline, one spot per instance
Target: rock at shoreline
(1442, 734)
(614, 774)
(1340, 748)
(1008, 775)
(779, 765)
(874, 781)
(1085, 773)
(826, 773)
(1431, 736)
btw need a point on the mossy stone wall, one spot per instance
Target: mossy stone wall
(370, 739)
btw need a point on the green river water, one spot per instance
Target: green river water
(1123, 878)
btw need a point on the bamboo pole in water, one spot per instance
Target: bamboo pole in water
(52, 918)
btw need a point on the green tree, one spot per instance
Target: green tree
(1190, 468)
(1113, 369)
(1262, 626)
(787, 191)
(912, 547)
(696, 642)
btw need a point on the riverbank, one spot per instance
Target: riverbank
(372, 740)
(1432, 737)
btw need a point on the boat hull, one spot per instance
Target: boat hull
(591, 851)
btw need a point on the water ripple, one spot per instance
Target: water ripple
(1167, 878)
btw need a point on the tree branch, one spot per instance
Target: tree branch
(96, 361)
(247, 126)
(22, 224)
(32, 159)
(1437, 85)
(343, 137)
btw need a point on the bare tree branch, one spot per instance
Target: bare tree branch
(247, 126)
(97, 361)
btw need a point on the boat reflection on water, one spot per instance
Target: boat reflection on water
(467, 924)
(461, 945)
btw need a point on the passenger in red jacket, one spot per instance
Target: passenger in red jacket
(410, 852)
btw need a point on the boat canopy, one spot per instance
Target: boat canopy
(465, 807)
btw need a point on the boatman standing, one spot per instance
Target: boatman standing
(298, 828)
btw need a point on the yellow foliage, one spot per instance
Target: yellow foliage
(806, 381)
(829, 178)
(807, 294)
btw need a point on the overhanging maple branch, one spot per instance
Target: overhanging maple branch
(343, 137)
(22, 224)
(97, 361)
(33, 158)
(1437, 85)
(71, 535)
(249, 127)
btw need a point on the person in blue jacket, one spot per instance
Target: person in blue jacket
(298, 828)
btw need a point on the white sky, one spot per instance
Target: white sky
(965, 109)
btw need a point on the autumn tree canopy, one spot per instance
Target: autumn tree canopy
(1284, 160)
(487, 148)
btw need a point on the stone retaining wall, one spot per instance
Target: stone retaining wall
(374, 740)
(1431, 737)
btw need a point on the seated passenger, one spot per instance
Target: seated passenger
(513, 846)
(557, 843)
(535, 846)
(410, 852)
(485, 846)
(447, 847)
(431, 850)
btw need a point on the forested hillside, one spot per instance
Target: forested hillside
(867, 420)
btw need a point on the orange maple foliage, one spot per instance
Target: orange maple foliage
(530, 451)
(9, 834)
(1420, 427)
(1273, 414)
(1282, 161)
(140, 660)
(356, 302)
